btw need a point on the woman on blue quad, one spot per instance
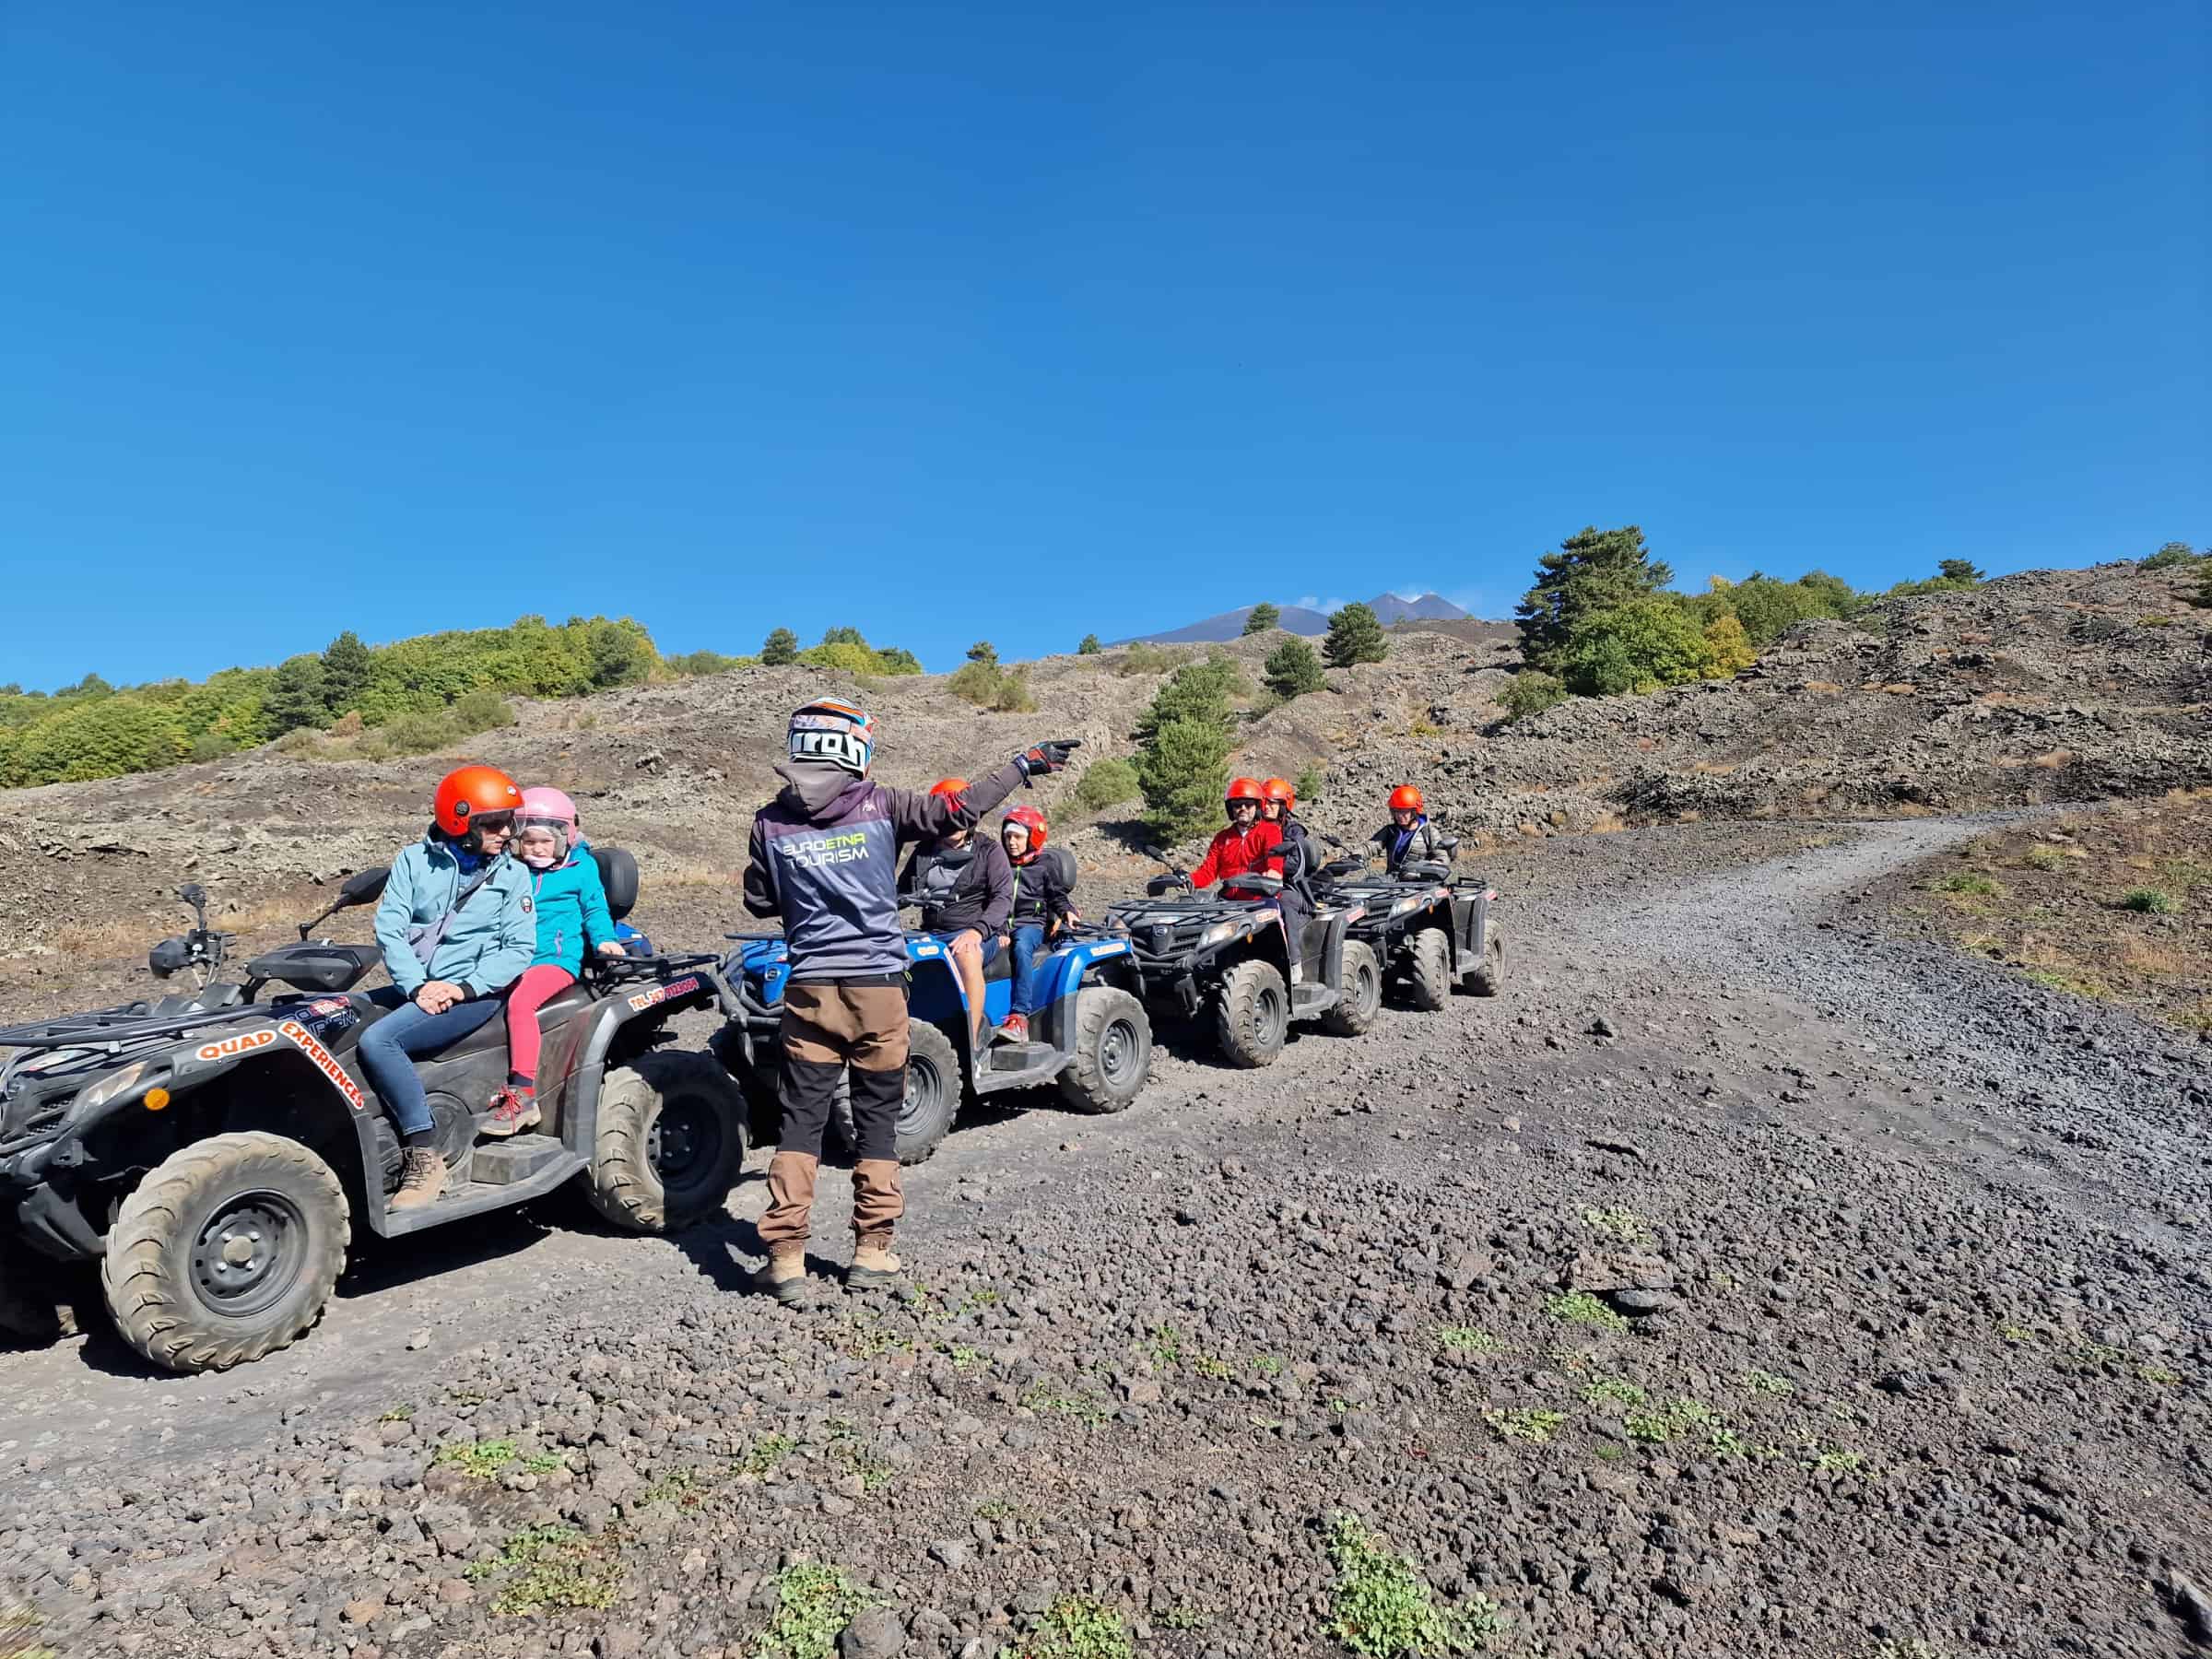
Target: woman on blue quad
(965, 887)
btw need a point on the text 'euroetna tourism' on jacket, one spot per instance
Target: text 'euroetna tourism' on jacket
(482, 919)
(825, 857)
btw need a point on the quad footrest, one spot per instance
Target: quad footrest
(1310, 998)
(502, 1162)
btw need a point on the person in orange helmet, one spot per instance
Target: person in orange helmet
(456, 926)
(1251, 842)
(1278, 805)
(1044, 904)
(1409, 836)
(965, 887)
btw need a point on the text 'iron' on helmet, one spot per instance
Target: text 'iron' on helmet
(1030, 818)
(1283, 790)
(545, 809)
(468, 793)
(831, 733)
(1407, 798)
(1243, 789)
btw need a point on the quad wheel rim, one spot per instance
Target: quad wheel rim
(249, 1253)
(924, 1093)
(685, 1144)
(1268, 1015)
(1118, 1049)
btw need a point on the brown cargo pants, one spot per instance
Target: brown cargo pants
(829, 1028)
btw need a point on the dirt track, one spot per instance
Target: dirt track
(1922, 1353)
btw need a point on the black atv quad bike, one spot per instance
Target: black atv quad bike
(217, 1154)
(1429, 930)
(1225, 959)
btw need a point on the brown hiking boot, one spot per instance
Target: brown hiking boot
(784, 1278)
(874, 1266)
(422, 1179)
(511, 1114)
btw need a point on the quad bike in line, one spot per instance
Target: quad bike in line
(217, 1153)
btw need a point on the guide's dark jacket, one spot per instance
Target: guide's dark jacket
(825, 858)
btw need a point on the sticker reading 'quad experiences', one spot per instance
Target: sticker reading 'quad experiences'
(329, 1067)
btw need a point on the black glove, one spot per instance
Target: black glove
(1047, 757)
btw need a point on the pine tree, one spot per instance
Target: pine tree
(348, 669)
(983, 652)
(1182, 771)
(1293, 670)
(1961, 571)
(1263, 617)
(1593, 572)
(1091, 646)
(1354, 636)
(296, 695)
(780, 649)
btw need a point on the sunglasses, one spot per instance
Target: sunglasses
(493, 823)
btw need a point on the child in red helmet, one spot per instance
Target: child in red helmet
(456, 927)
(1044, 904)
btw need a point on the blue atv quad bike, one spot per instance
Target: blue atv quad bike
(1089, 1034)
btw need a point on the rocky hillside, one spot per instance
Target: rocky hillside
(2047, 685)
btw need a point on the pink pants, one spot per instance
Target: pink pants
(538, 986)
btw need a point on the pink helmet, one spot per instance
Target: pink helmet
(548, 809)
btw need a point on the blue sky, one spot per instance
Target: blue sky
(1020, 321)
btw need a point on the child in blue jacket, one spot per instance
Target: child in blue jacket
(571, 902)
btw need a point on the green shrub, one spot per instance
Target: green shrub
(1091, 646)
(977, 683)
(1531, 691)
(1636, 647)
(2149, 902)
(1728, 647)
(1200, 692)
(1293, 669)
(1309, 783)
(2174, 555)
(1147, 659)
(1262, 618)
(983, 652)
(1182, 772)
(1014, 694)
(1107, 783)
(695, 663)
(419, 733)
(1354, 636)
(780, 649)
(480, 712)
(300, 740)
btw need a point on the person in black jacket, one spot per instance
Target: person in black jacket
(1044, 904)
(965, 887)
(1278, 805)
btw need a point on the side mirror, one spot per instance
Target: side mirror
(1450, 843)
(193, 894)
(170, 956)
(364, 887)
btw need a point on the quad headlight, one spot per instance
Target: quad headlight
(117, 1084)
(1219, 932)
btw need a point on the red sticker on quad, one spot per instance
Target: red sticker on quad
(243, 1043)
(329, 1067)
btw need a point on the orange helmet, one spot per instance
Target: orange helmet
(1242, 789)
(468, 793)
(1407, 798)
(1030, 818)
(949, 786)
(1283, 790)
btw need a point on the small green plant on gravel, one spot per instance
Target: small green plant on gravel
(466, 1397)
(2160, 1375)
(684, 1487)
(1075, 1627)
(1383, 1609)
(1339, 1405)
(1623, 1224)
(1267, 1365)
(814, 1604)
(1186, 1616)
(1219, 1371)
(1466, 1339)
(2044, 856)
(1578, 1307)
(1657, 1427)
(19, 1626)
(1166, 1347)
(542, 1462)
(1612, 1391)
(766, 1453)
(1728, 1443)
(480, 1460)
(975, 1301)
(2014, 1334)
(402, 1413)
(1525, 1423)
(554, 1567)
(1909, 1647)
(1835, 1463)
(2149, 902)
(1610, 1454)
(963, 1358)
(998, 1509)
(2082, 985)
(1969, 884)
(1047, 1396)
(1765, 1382)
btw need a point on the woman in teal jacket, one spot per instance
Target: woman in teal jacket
(571, 902)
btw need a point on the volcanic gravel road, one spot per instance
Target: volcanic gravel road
(1742, 1281)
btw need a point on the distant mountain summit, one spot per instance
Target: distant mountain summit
(1297, 619)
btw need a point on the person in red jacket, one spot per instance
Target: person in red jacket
(1251, 841)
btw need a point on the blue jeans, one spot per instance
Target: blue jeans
(1027, 943)
(989, 943)
(388, 1048)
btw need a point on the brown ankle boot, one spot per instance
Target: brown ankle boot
(422, 1179)
(874, 1266)
(785, 1278)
